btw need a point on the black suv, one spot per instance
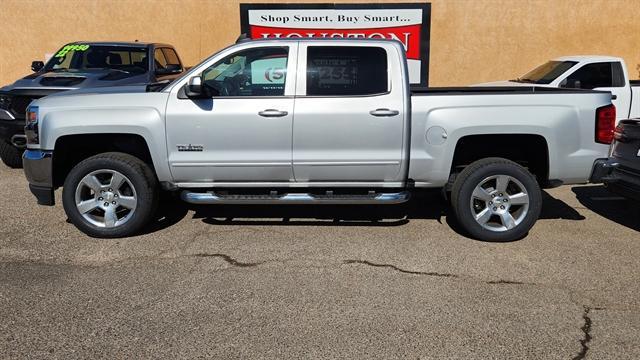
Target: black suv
(621, 172)
(81, 65)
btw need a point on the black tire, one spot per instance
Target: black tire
(465, 210)
(11, 155)
(142, 180)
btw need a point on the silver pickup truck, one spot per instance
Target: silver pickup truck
(300, 121)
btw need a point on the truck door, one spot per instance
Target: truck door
(350, 114)
(606, 76)
(243, 132)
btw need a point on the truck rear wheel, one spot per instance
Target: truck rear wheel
(11, 155)
(495, 199)
(110, 195)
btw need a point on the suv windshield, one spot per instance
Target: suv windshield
(546, 72)
(82, 57)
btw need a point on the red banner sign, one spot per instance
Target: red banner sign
(409, 36)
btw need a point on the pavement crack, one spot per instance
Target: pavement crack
(586, 329)
(507, 282)
(228, 259)
(427, 273)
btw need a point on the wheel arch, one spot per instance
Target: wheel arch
(529, 150)
(69, 150)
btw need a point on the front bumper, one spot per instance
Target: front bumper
(9, 128)
(38, 168)
(618, 178)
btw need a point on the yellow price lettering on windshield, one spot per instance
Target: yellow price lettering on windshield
(62, 52)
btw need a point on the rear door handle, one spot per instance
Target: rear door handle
(384, 112)
(272, 113)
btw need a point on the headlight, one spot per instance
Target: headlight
(5, 102)
(32, 115)
(31, 127)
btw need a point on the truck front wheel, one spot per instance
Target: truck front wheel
(495, 199)
(10, 155)
(110, 195)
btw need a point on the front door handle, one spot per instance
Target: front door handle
(272, 113)
(384, 112)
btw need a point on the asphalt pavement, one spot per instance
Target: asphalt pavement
(321, 282)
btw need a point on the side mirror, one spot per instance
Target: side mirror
(37, 66)
(170, 69)
(193, 89)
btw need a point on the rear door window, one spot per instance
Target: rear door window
(346, 71)
(597, 75)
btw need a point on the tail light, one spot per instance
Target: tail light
(605, 124)
(618, 134)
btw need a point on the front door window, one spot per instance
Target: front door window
(252, 72)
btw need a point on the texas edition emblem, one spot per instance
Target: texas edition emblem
(190, 147)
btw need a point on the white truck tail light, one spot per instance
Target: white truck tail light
(605, 124)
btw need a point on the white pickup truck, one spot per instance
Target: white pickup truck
(591, 72)
(317, 121)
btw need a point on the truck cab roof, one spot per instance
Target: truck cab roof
(121, 43)
(588, 58)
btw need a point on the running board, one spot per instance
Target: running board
(295, 198)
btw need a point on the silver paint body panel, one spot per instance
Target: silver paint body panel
(239, 144)
(338, 139)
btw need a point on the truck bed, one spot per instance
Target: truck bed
(564, 118)
(468, 90)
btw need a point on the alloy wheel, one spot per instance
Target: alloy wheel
(499, 203)
(106, 198)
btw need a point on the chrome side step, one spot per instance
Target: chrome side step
(211, 197)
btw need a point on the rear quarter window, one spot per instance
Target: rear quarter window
(159, 59)
(346, 71)
(171, 56)
(618, 74)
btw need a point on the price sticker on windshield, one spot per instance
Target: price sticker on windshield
(76, 47)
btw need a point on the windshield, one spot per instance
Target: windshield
(125, 60)
(546, 72)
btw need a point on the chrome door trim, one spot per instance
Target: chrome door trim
(223, 164)
(346, 163)
(384, 112)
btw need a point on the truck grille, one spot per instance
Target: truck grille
(19, 104)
